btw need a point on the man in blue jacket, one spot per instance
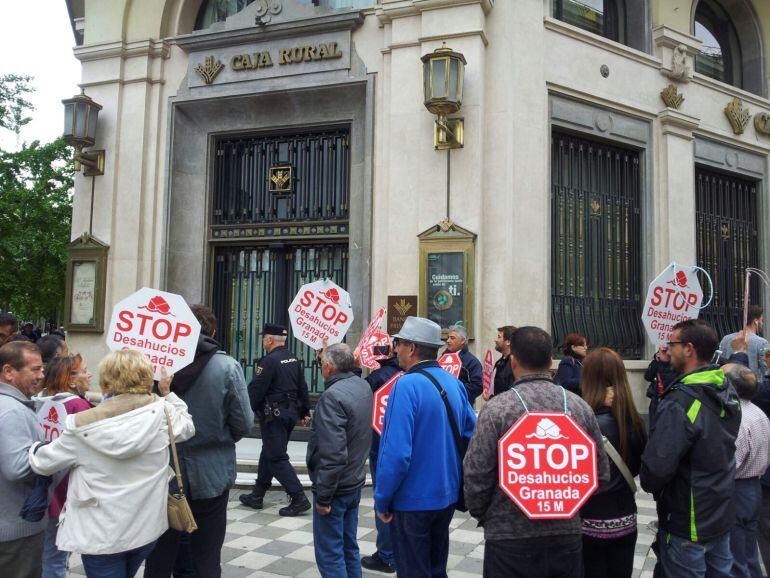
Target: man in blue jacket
(419, 462)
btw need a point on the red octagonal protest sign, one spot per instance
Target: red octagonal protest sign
(547, 465)
(451, 362)
(321, 311)
(157, 323)
(381, 397)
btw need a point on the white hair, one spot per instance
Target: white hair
(460, 330)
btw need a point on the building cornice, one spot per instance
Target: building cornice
(391, 9)
(731, 92)
(595, 40)
(677, 123)
(203, 40)
(124, 50)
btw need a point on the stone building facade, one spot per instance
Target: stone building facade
(603, 140)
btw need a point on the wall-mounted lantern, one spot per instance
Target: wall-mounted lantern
(442, 73)
(81, 115)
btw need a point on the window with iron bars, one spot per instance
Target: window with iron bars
(596, 276)
(727, 235)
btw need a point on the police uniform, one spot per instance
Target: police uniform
(279, 398)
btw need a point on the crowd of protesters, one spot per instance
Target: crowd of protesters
(100, 488)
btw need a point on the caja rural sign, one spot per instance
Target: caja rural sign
(158, 324)
(675, 295)
(381, 397)
(321, 311)
(547, 465)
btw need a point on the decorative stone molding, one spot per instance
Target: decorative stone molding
(676, 52)
(390, 9)
(762, 123)
(671, 96)
(737, 115)
(677, 123)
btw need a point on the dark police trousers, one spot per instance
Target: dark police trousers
(274, 460)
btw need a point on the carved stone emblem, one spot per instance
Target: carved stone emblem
(265, 11)
(209, 69)
(680, 70)
(671, 96)
(762, 123)
(737, 115)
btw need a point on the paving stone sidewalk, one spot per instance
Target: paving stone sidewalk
(262, 544)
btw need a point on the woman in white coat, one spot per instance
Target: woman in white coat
(118, 458)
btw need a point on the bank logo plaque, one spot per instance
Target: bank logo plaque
(209, 69)
(280, 180)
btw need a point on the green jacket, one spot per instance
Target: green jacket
(689, 461)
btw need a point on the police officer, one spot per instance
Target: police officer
(279, 398)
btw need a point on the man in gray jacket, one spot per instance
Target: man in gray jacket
(214, 389)
(338, 447)
(21, 542)
(517, 547)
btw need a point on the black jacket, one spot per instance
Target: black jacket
(339, 440)
(689, 462)
(471, 374)
(568, 374)
(279, 375)
(659, 375)
(616, 498)
(376, 379)
(503, 375)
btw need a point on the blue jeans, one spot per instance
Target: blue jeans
(421, 542)
(120, 565)
(682, 558)
(384, 541)
(743, 536)
(334, 538)
(54, 560)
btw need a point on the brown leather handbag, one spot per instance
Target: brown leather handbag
(180, 516)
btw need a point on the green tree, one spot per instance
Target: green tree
(35, 213)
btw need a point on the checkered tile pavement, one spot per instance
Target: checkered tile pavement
(262, 544)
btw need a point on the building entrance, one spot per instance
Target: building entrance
(279, 220)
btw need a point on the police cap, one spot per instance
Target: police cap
(274, 329)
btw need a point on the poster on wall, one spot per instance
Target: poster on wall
(83, 304)
(446, 287)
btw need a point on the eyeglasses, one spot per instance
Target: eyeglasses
(670, 343)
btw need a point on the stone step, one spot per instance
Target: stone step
(245, 481)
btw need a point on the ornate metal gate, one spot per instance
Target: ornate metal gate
(728, 242)
(596, 244)
(279, 220)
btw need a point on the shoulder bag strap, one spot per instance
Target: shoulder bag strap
(615, 457)
(450, 414)
(177, 469)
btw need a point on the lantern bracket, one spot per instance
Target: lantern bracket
(448, 133)
(91, 162)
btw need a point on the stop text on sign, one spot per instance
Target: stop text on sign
(159, 324)
(321, 311)
(673, 296)
(547, 465)
(381, 397)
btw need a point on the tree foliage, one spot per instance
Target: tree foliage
(35, 213)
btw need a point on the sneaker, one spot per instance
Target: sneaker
(374, 562)
(298, 504)
(252, 501)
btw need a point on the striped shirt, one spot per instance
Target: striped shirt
(752, 447)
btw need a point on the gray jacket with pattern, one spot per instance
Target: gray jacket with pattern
(501, 518)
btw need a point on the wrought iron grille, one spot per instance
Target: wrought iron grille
(728, 242)
(320, 180)
(254, 285)
(596, 244)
